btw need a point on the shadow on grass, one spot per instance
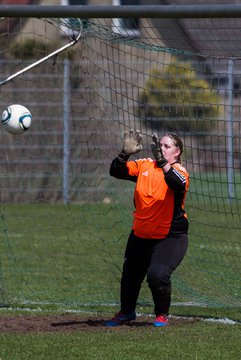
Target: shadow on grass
(97, 323)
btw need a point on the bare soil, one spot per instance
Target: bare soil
(70, 323)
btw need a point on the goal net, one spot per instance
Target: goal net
(64, 220)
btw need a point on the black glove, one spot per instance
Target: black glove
(157, 151)
(131, 144)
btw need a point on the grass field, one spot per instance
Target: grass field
(72, 256)
(55, 258)
(198, 340)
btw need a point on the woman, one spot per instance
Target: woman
(159, 237)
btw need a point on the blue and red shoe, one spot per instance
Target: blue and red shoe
(161, 320)
(121, 319)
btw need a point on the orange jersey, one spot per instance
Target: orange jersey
(159, 198)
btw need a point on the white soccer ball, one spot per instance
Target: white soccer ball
(16, 119)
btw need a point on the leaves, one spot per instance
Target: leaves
(177, 98)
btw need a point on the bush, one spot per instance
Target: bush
(33, 49)
(175, 99)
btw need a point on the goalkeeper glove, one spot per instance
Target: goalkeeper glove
(157, 151)
(131, 144)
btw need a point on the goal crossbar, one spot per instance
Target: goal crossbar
(122, 11)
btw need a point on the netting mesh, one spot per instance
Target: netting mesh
(178, 75)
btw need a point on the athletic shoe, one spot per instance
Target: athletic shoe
(161, 320)
(121, 319)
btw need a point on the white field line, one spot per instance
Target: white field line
(225, 320)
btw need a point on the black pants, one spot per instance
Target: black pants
(155, 259)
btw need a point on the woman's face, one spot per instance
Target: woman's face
(169, 149)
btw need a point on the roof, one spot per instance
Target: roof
(204, 37)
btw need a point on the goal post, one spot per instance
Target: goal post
(64, 221)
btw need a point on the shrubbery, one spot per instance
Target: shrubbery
(177, 99)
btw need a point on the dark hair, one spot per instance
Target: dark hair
(178, 143)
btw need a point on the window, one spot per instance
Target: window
(74, 2)
(67, 31)
(128, 27)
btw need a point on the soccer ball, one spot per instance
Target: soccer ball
(16, 119)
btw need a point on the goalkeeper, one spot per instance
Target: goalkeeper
(159, 237)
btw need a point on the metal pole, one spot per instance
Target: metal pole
(230, 131)
(123, 11)
(66, 148)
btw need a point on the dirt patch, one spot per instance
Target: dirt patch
(70, 323)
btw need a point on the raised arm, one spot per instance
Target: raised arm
(131, 145)
(176, 179)
(176, 176)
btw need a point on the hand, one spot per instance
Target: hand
(156, 148)
(132, 142)
(157, 151)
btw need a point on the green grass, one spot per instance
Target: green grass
(71, 257)
(55, 257)
(200, 341)
(52, 253)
